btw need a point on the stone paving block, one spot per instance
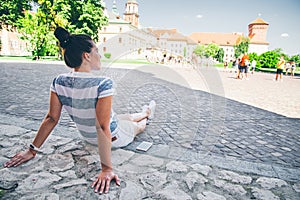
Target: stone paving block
(153, 181)
(173, 192)
(132, 191)
(37, 182)
(59, 162)
(50, 196)
(263, 194)
(203, 169)
(232, 189)
(71, 183)
(193, 178)
(285, 173)
(234, 177)
(175, 167)
(270, 183)
(207, 195)
(296, 187)
(120, 156)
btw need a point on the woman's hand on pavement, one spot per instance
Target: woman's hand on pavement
(20, 158)
(102, 182)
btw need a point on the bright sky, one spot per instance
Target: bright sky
(223, 16)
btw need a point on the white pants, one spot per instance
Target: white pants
(127, 130)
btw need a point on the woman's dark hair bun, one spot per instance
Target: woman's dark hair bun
(63, 36)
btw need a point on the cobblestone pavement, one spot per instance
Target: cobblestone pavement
(212, 139)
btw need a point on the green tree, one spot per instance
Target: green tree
(40, 41)
(269, 59)
(242, 46)
(12, 10)
(295, 58)
(220, 55)
(211, 50)
(84, 16)
(254, 56)
(200, 50)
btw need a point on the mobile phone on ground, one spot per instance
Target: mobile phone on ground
(144, 146)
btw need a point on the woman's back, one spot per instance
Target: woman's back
(78, 93)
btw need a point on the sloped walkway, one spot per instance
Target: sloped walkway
(212, 138)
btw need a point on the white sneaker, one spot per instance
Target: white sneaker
(145, 108)
(152, 106)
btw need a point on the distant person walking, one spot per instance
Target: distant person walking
(280, 67)
(225, 65)
(287, 68)
(243, 67)
(293, 69)
(236, 65)
(253, 63)
(239, 66)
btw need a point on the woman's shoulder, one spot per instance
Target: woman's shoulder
(106, 87)
(106, 82)
(62, 75)
(105, 79)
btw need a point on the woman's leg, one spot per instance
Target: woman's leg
(139, 120)
(135, 117)
(141, 125)
(147, 112)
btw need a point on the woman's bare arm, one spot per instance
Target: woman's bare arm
(47, 125)
(103, 111)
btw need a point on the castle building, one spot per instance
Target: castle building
(122, 35)
(125, 35)
(175, 43)
(257, 32)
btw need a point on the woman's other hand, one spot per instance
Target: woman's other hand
(20, 158)
(102, 182)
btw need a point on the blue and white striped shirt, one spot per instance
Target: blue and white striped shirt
(78, 92)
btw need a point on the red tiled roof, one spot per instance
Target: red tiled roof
(177, 37)
(160, 32)
(224, 39)
(173, 35)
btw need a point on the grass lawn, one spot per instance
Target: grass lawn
(127, 61)
(27, 58)
(15, 58)
(269, 70)
(272, 70)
